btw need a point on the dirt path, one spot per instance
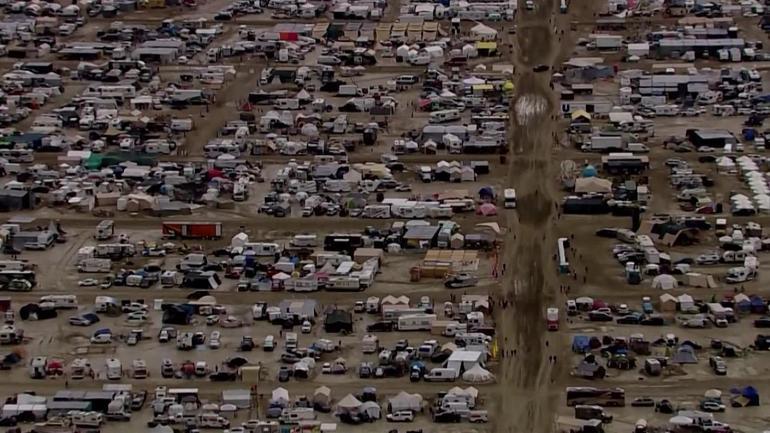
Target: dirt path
(531, 380)
(527, 403)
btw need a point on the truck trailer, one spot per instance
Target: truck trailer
(192, 230)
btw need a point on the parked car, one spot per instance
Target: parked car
(664, 406)
(712, 406)
(718, 365)
(654, 320)
(215, 340)
(284, 374)
(630, 319)
(643, 402)
(400, 416)
(599, 316)
(707, 259)
(86, 319)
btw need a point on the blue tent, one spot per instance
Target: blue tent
(743, 305)
(487, 192)
(749, 393)
(581, 344)
(758, 305)
(589, 171)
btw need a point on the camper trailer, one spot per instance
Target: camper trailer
(445, 116)
(114, 369)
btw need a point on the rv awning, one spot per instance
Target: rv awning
(486, 45)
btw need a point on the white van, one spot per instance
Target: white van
(509, 197)
(269, 344)
(59, 301)
(444, 116)
(441, 375)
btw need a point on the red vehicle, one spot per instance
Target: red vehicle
(552, 319)
(192, 230)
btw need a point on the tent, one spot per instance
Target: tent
(686, 302)
(486, 209)
(279, 397)
(483, 32)
(348, 404)
(405, 401)
(742, 302)
(747, 396)
(477, 374)
(589, 171)
(371, 409)
(239, 240)
(392, 300)
(700, 280)
(581, 344)
(685, 354)
(322, 395)
(584, 303)
(664, 282)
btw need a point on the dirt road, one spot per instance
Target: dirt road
(527, 403)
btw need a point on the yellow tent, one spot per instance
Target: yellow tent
(577, 114)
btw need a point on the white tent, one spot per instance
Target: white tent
(239, 240)
(371, 409)
(405, 401)
(477, 374)
(483, 32)
(279, 397)
(349, 403)
(309, 130)
(686, 302)
(322, 395)
(664, 282)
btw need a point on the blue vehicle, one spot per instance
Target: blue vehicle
(647, 307)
